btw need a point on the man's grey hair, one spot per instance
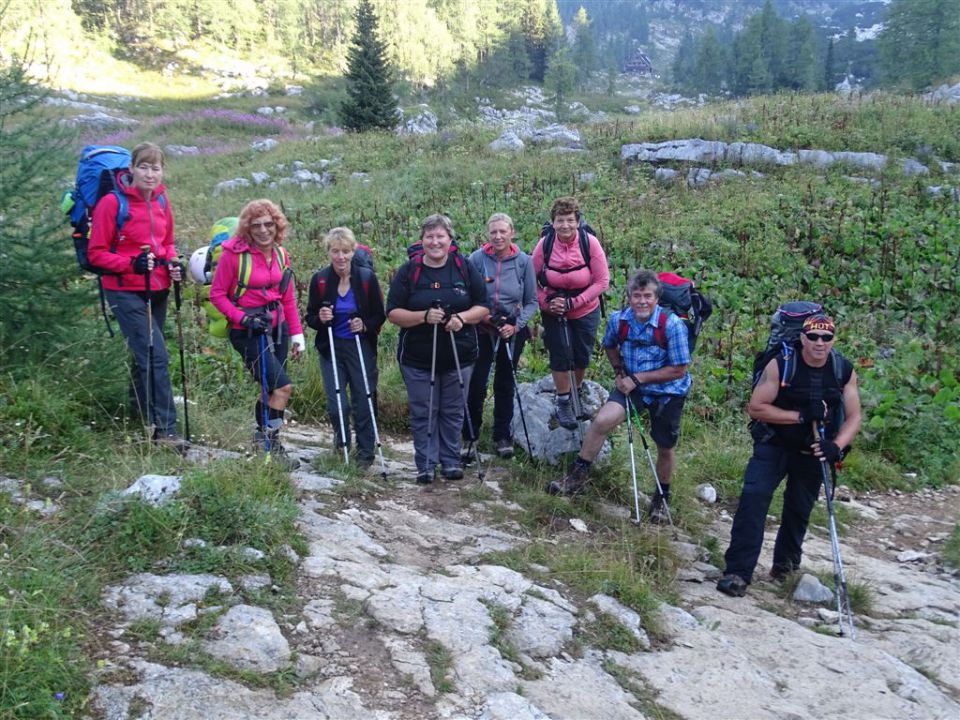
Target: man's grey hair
(642, 279)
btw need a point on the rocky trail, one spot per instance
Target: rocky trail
(400, 617)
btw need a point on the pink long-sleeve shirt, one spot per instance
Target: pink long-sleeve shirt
(262, 289)
(595, 277)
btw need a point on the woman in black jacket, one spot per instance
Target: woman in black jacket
(346, 297)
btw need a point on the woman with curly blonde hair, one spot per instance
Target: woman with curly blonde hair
(253, 288)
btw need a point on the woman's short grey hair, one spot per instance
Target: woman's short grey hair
(341, 235)
(644, 279)
(500, 217)
(437, 220)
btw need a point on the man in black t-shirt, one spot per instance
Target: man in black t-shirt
(436, 294)
(823, 390)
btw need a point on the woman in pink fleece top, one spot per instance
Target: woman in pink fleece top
(569, 289)
(253, 287)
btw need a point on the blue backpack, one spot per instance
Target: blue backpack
(97, 177)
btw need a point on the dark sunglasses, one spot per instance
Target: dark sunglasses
(813, 337)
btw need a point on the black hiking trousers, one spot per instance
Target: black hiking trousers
(767, 468)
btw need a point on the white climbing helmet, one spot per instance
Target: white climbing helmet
(198, 266)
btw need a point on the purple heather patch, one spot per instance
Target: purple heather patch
(225, 116)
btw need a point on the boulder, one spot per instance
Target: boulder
(811, 590)
(556, 135)
(155, 489)
(425, 123)
(509, 141)
(230, 186)
(248, 638)
(548, 440)
(264, 145)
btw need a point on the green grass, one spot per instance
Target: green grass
(879, 258)
(440, 661)
(645, 697)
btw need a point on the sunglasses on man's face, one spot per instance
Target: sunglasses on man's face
(813, 337)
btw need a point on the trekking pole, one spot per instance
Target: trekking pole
(633, 459)
(844, 611)
(183, 368)
(571, 373)
(373, 414)
(653, 467)
(516, 389)
(336, 387)
(433, 383)
(496, 349)
(149, 388)
(463, 393)
(264, 395)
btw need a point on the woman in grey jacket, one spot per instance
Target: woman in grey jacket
(511, 286)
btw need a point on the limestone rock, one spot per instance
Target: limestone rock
(155, 489)
(509, 141)
(248, 638)
(811, 590)
(180, 694)
(171, 599)
(541, 629)
(624, 615)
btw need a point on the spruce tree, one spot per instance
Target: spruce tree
(39, 288)
(584, 47)
(370, 103)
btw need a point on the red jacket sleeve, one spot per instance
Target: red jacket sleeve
(103, 231)
(169, 242)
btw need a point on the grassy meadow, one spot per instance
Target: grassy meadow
(883, 258)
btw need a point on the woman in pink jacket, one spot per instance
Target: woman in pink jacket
(253, 287)
(569, 289)
(138, 260)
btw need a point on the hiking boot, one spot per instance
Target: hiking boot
(452, 473)
(469, 455)
(364, 462)
(172, 442)
(277, 452)
(572, 484)
(565, 414)
(779, 573)
(424, 478)
(505, 448)
(659, 512)
(732, 585)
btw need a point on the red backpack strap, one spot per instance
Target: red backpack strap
(623, 330)
(660, 331)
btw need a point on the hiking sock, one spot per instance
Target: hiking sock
(274, 414)
(666, 490)
(580, 463)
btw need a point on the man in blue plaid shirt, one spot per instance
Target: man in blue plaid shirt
(647, 346)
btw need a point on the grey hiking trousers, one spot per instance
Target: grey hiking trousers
(130, 310)
(442, 445)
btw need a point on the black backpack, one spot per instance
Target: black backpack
(784, 339)
(549, 236)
